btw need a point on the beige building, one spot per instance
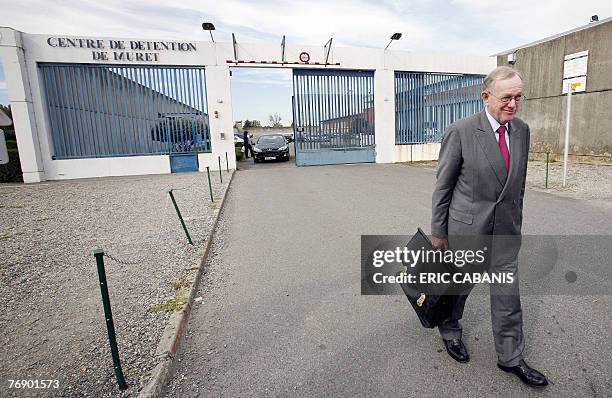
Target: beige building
(583, 54)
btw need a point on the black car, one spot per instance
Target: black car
(271, 147)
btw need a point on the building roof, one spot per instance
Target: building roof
(587, 26)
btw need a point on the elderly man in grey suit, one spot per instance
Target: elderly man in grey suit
(479, 192)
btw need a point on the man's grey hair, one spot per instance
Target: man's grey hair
(500, 73)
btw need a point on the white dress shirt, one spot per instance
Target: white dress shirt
(495, 125)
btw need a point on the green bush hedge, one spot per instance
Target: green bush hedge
(11, 172)
(238, 151)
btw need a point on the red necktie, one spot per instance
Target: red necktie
(503, 147)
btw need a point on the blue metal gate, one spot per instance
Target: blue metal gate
(109, 110)
(426, 103)
(333, 116)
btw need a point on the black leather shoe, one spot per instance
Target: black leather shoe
(528, 375)
(456, 349)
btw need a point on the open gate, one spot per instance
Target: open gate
(333, 116)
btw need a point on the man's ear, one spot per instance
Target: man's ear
(485, 96)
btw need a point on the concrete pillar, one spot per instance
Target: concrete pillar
(20, 98)
(218, 94)
(384, 119)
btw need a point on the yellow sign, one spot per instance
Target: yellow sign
(576, 85)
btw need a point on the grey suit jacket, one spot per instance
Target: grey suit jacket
(474, 195)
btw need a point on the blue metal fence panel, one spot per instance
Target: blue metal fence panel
(426, 103)
(333, 116)
(109, 110)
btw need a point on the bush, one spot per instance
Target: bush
(11, 172)
(238, 151)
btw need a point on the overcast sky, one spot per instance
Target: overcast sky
(480, 27)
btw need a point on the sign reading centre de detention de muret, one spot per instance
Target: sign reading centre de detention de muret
(122, 50)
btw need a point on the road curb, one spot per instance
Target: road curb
(174, 332)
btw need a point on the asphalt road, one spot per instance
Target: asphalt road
(282, 312)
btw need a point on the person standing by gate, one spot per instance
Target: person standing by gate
(479, 193)
(247, 145)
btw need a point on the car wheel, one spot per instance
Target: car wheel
(255, 160)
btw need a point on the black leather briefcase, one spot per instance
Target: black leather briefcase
(431, 301)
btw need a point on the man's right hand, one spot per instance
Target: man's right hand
(439, 243)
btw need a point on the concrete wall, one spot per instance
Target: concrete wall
(542, 68)
(21, 52)
(416, 153)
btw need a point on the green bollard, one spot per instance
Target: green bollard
(209, 185)
(108, 315)
(220, 175)
(547, 153)
(179, 216)
(226, 162)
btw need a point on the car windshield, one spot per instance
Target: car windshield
(271, 139)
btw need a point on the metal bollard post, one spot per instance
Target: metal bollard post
(547, 153)
(226, 162)
(209, 185)
(108, 315)
(179, 216)
(220, 175)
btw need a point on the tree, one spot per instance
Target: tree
(255, 123)
(9, 131)
(6, 110)
(10, 172)
(275, 120)
(247, 124)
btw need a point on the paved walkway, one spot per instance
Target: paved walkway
(282, 312)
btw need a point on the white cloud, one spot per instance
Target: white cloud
(460, 26)
(314, 22)
(264, 82)
(304, 22)
(262, 76)
(524, 21)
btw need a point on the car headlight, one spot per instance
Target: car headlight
(283, 148)
(257, 149)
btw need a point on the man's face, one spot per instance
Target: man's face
(503, 89)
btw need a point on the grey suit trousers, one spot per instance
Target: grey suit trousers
(506, 317)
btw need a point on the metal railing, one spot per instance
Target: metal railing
(426, 103)
(108, 110)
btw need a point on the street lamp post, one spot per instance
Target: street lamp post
(395, 36)
(209, 27)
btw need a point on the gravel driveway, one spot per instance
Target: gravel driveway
(52, 318)
(585, 181)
